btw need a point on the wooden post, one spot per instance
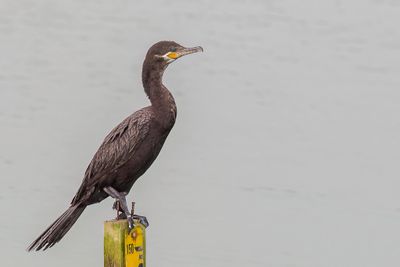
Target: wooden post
(124, 248)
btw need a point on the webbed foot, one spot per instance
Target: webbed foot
(142, 219)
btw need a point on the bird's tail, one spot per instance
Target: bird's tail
(57, 229)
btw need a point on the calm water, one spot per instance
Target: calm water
(286, 148)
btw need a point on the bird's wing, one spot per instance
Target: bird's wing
(117, 148)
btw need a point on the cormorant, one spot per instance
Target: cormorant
(128, 150)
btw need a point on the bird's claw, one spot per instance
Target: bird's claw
(142, 219)
(131, 223)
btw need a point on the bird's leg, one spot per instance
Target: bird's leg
(122, 200)
(117, 207)
(120, 213)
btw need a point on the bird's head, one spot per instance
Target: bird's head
(166, 52)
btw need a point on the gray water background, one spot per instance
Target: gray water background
(285, 152)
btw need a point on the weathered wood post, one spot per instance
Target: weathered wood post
(124, 247)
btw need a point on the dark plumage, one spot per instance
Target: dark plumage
(129, 149)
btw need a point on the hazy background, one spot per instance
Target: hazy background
(285, 152)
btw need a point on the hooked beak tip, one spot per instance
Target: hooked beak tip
(191, 50)
(200, 49)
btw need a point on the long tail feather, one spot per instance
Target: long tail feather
(57, 229)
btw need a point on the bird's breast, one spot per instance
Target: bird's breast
(141, 159)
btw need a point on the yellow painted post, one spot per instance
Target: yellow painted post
(124, 248)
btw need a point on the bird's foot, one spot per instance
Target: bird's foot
(142, 219)
(123, 213)
(122, 216)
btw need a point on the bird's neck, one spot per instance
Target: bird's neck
(160, 97)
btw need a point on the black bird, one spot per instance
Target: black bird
(129, 149)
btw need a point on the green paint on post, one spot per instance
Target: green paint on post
(114, 243)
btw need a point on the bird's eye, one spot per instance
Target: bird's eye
(172, 49)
